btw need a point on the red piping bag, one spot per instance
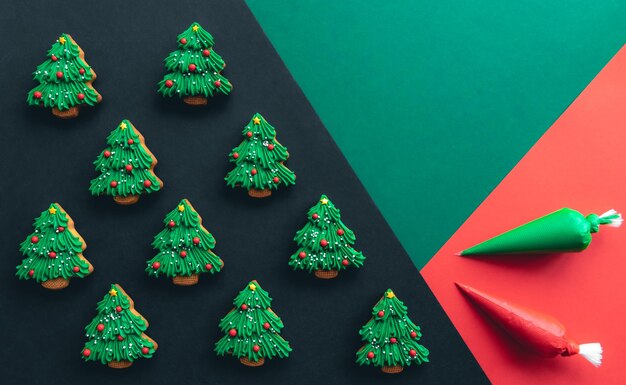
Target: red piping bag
(539, 333)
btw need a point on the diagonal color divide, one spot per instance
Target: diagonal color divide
(578, 163)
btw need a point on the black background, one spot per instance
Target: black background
(45, 159)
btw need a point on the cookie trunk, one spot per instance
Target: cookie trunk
(255, 193)
(247, 362)
(392, 369)
(70, 113)
(185, 280)
(326, 274)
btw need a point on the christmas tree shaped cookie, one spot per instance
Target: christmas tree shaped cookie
(126, 167)
(325, 243)
(259, 160)
(117, 334)
(54, 251)
(391, 337)
(64, 80)
(185, 248)
(194, 69)
(252, 329)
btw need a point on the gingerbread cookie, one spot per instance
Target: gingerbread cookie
(126, 167)
(65, 80)
(259, 160)
(194, 69)
(54, 251)
(252, 329)
(185, 248)
(325, 243)
(117, 334)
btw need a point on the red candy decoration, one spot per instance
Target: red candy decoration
(345, 262)
(52, 254)
(315, 216)
(208, 266)
(370, 355)
(183, 254)
(381, 314)
(59, 74)
(37, 95)
(118, 309)
(270, 147)
(253, 172)
(76, 269)
(256, 348)
(266, 325)
(183, 41)
(412, 353)
(244, 307)
(81, 96)
(235, 155)
(217, 83)
(232, 332)
(86, 352)
(171, 224)
(106, 153)
(393, 340)
(81, 71)
(31, 273)
(100, 327)
(169, 83)
(196, 240)
(34, 239)
(302, 255)
(413, 334)
(60, 229)
(249, 134)
(206, 53)
(192, 67)
(130, 141)
(120, 338)
(276, 179)
(147, 183)
(54, 58)
(113, 184)
(145, 350)
(340, 232)
(129, 167)
(323, 243)
(156, 265)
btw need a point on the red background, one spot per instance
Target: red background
(579, 163)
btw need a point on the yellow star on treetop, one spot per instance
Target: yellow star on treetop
(123, 126)
(390, 294)
(62, 40)
(252, 287)
(52, 210)
(195, 28)
(181, 208)
(324, 201)
(256, 120)
(113, 293)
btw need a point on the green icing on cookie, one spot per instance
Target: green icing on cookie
(185, 246)
(64, 78)
(116, 334)
(259, 159)
(252, 329)
(54, 250)
(126, 166)
(194, 68)
(325, 243)
(391, 338)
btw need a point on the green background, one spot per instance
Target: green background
(433, 102)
